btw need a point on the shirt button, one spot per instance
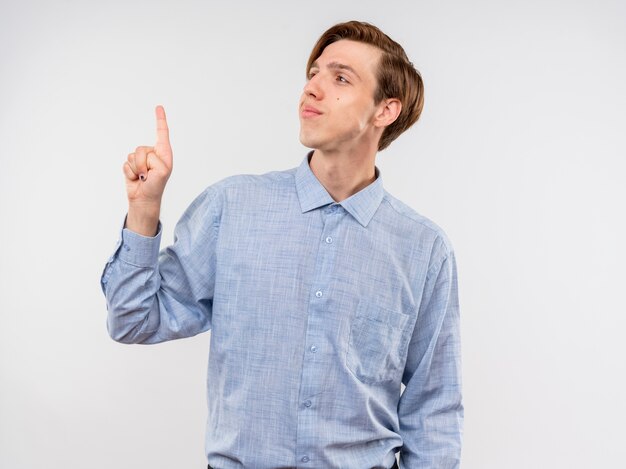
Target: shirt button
(318, 293)
(329, 240)
(313, 348)
(305, 459)
(307, 403)
(127, 247)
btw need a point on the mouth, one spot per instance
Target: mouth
(310, 112)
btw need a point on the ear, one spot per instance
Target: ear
(388, 111)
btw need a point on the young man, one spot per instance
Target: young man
(323, 292)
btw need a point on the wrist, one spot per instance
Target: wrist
(143, 220)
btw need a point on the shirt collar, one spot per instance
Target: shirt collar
(312, 194)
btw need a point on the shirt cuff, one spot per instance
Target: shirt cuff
(139, 250)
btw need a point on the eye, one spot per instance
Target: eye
(310, 75)
(342, 79)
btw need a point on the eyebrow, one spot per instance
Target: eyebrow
(338, 66)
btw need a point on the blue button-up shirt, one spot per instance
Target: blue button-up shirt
(318, 311)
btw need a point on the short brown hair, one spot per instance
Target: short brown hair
(397, 77)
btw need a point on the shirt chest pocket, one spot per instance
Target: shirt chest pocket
(378, 343)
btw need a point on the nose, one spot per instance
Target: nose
(313, 88)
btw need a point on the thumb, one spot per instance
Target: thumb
(155, 165)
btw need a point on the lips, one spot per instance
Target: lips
(310, 111)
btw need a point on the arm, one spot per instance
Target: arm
(153, 297)
(430, 409)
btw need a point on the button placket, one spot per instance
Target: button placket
(320, 319)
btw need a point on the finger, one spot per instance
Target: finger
(128, 172)
(131, 163)
(140, 162)
(162, 147)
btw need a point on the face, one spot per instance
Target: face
(337, 110)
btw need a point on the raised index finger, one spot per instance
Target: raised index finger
(163, 133)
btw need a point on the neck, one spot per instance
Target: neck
(343, 174)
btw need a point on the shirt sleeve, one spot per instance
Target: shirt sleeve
(153, 296)
(430, 409)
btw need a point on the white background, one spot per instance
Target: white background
(518, 156)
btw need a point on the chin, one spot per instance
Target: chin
(308, 142)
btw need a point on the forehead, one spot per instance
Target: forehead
(358, 55)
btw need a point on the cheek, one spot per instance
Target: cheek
(352, 114)
(361, 114)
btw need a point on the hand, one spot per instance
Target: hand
(148, 168)
(147, 171)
